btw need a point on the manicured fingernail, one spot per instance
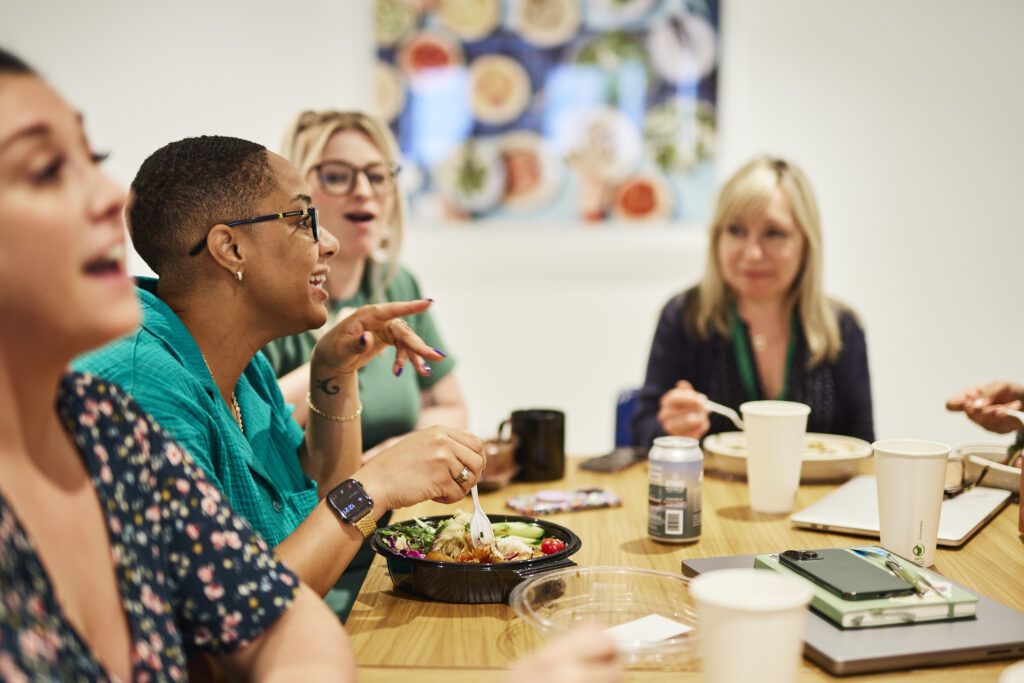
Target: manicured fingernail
(426, 368)
(428, 299)
(362, 340)
(398, 372)
(440, 353)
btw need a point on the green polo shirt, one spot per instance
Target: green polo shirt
(391, 405)
(259, 471)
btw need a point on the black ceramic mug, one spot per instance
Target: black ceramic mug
(540, 451)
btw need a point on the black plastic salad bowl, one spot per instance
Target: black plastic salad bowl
(471, 583)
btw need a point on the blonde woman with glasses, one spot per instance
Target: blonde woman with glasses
(350, 163)
(758, 325)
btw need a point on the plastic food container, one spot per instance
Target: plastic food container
(472, 583)
(556, 601)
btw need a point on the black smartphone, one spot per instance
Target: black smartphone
(619, 459)
(845, 574)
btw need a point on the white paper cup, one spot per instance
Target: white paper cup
(751, 624)
(775, 450)
(1013, 673)
(911, 475)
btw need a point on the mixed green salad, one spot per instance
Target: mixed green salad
(449, 541)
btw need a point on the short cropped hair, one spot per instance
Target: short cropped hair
(185, 188)
(12, 64)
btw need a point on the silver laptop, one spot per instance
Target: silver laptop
(997, 632)
(853, 509)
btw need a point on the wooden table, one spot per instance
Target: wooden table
(399, 638)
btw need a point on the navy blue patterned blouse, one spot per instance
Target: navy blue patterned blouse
(839, 393)
(192, 574)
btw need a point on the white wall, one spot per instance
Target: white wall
(905, 114)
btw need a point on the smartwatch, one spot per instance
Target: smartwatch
(353, 505)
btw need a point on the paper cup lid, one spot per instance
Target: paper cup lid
(910, 448)
(774, 408)
(750, 590)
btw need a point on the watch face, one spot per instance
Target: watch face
(350, 501)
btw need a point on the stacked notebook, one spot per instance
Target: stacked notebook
(940, 600)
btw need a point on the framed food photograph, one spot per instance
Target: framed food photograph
(597, 111)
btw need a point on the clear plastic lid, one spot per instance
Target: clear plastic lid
(557, 601)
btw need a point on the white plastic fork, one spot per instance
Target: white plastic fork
(724, 410)
(480, 526)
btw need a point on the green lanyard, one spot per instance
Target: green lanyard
(745, 361)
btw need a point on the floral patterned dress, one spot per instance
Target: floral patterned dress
(192, 574)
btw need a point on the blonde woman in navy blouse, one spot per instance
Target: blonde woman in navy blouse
(758, 325)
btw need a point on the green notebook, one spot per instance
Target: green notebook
(939, 602)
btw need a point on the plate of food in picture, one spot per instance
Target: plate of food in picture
(609, 14)
(603, 142)
(532, 171)
(470, 20)
(546, 23)
(428, 52)
(827, 457)
(613, 52)
(390, 91)
(392, 19)
(435, 558)
(680, 133)
(499, 89)
(644, 196)
(683, 47)
(472, 178)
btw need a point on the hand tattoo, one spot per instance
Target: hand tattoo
(326, 386)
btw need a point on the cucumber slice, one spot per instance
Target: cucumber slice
(520, 529)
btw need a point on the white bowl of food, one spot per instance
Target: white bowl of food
(827, 457)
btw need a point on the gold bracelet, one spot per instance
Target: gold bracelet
(333, 418)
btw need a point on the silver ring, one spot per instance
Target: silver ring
(464, 476)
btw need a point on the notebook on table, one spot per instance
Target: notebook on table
(997, 632)
(853, 509)
(938, 599)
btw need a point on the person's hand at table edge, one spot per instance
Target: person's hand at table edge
(583, 655)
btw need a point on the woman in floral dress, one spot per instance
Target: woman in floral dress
(118, 560)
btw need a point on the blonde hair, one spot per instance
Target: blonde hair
(304, 143)
(749, 191)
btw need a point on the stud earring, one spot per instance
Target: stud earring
(238, 275)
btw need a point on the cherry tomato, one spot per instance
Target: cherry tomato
(550, 546)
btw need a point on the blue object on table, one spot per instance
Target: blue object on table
(625, 406)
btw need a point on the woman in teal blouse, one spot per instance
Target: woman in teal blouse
(229, 229)
(350, 161)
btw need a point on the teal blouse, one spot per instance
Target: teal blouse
(259, 471)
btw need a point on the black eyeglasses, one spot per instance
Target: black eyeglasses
(311, 222)
(339, 178)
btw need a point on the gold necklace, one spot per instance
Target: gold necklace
(236, 410)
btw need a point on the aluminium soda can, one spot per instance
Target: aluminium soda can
(675, 473)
